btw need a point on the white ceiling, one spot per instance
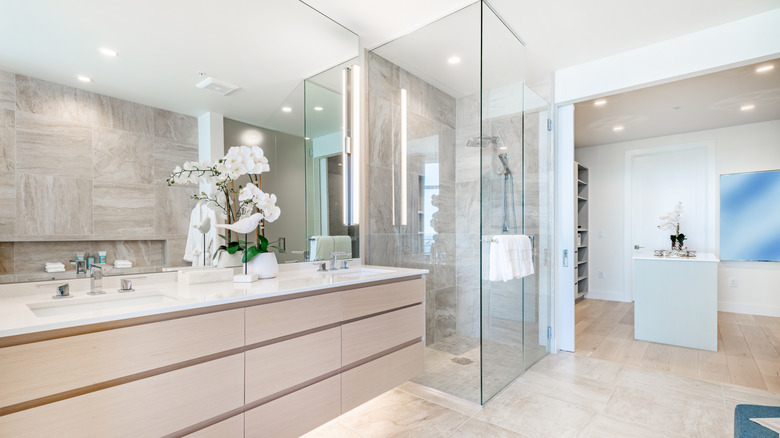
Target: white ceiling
(696, 104)
(268, 47)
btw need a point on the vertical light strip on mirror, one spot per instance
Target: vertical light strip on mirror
(350, 116)
(355, 145)
(403, 158)
(345, 141)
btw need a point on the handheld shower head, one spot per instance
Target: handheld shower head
(505, 161)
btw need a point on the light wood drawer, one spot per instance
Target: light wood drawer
(375, 299)
(269, 321)
(279, 366)
(150, 407)
(38, 369)
(296, 413)
(369, 380)
(361, 339)
(233, 427)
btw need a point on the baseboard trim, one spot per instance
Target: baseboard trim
(750, 309)
(605, 295)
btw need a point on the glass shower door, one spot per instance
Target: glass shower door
(515, 201)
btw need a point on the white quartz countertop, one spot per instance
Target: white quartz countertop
(700, 257)
(29, 307)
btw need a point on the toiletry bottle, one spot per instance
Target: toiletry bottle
(102, 257)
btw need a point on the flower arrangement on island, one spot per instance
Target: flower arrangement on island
(671, 221)
(231, 202)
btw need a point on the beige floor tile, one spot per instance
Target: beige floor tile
(440, 398)
(537, 416)
(670, 385)
(584, 392)
(332, 429)
(672, 414)
(572, 367)
(608, 427)
(398, 414)
(479, 429)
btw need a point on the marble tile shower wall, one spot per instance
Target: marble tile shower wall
(431, 136)
(502, 303)
(81, 171)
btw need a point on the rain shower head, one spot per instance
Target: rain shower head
(481, 142)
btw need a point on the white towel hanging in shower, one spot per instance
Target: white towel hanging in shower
(511, 256)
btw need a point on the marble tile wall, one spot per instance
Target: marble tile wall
(431, 139)
(81, 171)
(518, 136)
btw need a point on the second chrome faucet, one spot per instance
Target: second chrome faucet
(95, 280)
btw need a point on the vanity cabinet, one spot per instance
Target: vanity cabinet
(274, 367)
(150, 407)
(37, 370)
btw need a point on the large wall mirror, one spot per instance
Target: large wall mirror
(111, 143)
(329, 227)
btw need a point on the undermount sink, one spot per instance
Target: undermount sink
(359, 272)
(116, 301)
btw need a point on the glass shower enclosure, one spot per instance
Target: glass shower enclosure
(459, 152)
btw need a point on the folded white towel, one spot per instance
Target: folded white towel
(123, 264)
(55, 265)
(511, 256)
(54, 269)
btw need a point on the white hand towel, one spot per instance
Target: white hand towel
(55, 265)
(54, 269)
(511, 256)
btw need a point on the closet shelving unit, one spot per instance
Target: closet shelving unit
(580, 230)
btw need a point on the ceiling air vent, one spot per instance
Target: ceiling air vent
(215, 85)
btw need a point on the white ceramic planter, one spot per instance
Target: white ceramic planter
(226, 260)
(264, 265)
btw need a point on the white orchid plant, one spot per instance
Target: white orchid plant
(671, 221)
(233, 203)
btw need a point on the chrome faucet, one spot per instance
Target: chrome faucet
(95, 280)
(335, 261)
(81, 266)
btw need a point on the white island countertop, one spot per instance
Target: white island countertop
(29, 307)
(700, 257)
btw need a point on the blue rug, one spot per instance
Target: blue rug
(744, 428)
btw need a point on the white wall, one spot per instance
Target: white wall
(742, 148)
(744, 41)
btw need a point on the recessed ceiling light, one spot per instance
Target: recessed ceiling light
(453, 59)
(600, 102)
(317, 108)
(765, 68)
(108, 52)
(83, 78)
(747, 107)
(617, 128)
(286, 109)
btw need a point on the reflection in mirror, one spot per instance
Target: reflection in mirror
(111, 144)
(326, 198)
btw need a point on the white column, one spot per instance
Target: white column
(211, 140)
